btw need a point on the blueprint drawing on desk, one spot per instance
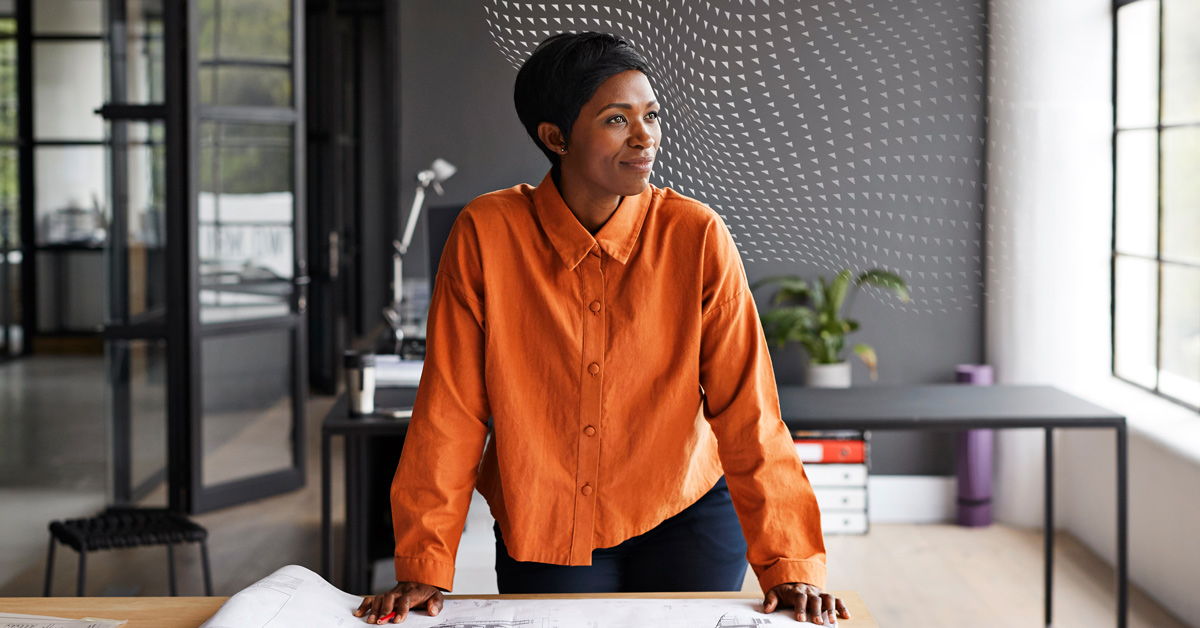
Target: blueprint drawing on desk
(601, 613)
(294, 597)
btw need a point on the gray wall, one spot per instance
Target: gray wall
(456, 103)
(826, 135)
(375, 241)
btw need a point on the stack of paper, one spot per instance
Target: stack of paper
(391, 371)
(17, 620)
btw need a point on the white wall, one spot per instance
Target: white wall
(1048, 307)
(1049, 214)
(1164, 504)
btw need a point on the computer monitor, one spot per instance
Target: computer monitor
(438, 221)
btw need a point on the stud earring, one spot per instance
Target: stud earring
(562, 150)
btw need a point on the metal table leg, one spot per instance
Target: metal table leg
(326, 508)
(352, 555)
(1122, 528)
(49, 569)
(1048, 529)
(207, 570)
(79, 585)
(171, 570)
(359, 552)
(347, 521)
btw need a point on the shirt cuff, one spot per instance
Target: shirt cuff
(785, 571)
(432, 572)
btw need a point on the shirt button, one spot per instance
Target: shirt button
(593, 368)
(595, 306)
(595, 250)
(587, 489)
(589, 430)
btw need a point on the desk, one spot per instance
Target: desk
(356, 431)
(190, 612)
(935, 407)
(963, 407)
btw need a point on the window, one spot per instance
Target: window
(11, 336)
(1156, 227)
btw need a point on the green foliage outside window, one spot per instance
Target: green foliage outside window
(245, 50)
(9, 178)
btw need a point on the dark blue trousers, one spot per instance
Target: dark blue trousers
(699, 549)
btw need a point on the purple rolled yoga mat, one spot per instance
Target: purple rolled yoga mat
(974, 459)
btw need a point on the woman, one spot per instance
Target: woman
(606, 327)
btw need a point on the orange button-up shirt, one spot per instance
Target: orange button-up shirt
(624, 373)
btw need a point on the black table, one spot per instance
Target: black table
(964, 407)
(357, 432)
(934, 407)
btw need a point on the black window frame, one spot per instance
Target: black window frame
(1158, 259)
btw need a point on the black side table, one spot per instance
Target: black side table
(357, 431)
(963, 407)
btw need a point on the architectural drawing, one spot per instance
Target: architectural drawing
(294, 597)
(729, 620)
(602, 613)
(491, 623)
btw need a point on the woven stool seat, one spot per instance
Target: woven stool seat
(121, 527)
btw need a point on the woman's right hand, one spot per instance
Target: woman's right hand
(402, 598)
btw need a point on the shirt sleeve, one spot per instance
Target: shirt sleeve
(774, 500)
(431, 491)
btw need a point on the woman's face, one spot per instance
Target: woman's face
(615, 138)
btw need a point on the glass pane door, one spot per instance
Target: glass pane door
(136, 338)
(250, 278)
(203, 257)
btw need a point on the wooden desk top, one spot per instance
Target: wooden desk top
(190, 612)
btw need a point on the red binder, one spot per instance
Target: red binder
(829, 450)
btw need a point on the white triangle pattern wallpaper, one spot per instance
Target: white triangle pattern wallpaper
(828, 134)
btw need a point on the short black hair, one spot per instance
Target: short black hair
(563, 73)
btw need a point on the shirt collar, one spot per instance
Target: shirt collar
(571, 239)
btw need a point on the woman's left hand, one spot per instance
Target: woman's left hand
(808, 600)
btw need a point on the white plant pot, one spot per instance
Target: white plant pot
(828, 375)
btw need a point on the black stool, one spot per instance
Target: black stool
(119, 527)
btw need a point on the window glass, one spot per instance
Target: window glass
(8, 87)
(11, 337)
(1181, 61)
(10, 200)
(247, 211)
(1137, 64)
(143, 60)
(146, 361)
(245, 85)
(1136, 320)
(145, 195)
(246, 29)
(71, 182)
(68, 17)
(1137, 192)
(1180, 377)
(245, 52)
(1181, 194)
(10, 254)
(69, 86)
(247, 405)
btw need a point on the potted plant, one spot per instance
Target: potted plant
(812, 316)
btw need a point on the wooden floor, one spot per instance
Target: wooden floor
(928, 576)
(949, 576)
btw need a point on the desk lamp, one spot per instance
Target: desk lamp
(437, 172)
